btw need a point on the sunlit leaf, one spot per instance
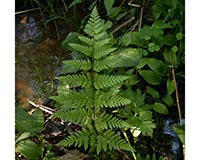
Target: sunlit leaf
(126, 58)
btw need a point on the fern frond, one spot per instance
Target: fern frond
(79, 64)
(101, 64)
(75, 99)
(105, 121)
(116, 142)
(78, 80)
(100, 43)
(110, 140)
(78, 139)
(95, 26)
(102, 100)
(104, 81)
(86, 40)
(77, 116)
(103, 52)
(86, 50)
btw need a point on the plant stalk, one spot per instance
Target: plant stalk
(176, 90)
(126, 137)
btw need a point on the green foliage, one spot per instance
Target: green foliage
(29, 142)
(180, 131)
(29, 149)
(29, 123)
(94, 90)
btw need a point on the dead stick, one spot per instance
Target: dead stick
(43, 108)
(141, 15)
(123, 24)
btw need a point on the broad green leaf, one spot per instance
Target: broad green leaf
(141, 64)
(168, 100)
(23, 136)
(29, 149)
(170, 57)
(131, 38)
(160, 108)
(29, 123)
(114, 11)
(108, 5)
(170, 86)
(126, 58)
(156, 65)
(180, 131)
(152, 92)
(150, 76)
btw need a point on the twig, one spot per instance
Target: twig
(42, 107)
(133, 5)
(176, 89)
(141, 15)
(123, 24)
(135, 25)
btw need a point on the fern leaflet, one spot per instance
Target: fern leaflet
(79, 64)
(86, 50)
(104, 81)
(78, 80)
(77, 116)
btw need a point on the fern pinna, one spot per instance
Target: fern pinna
(90, 93)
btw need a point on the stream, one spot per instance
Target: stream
(38, 58)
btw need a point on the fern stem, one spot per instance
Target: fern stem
(126, 137)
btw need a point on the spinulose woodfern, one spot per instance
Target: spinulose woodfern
(93, 90)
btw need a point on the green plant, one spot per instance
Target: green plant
(162, 47)
(91, 94)
(29, 142)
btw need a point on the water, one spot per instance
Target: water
(38, 58)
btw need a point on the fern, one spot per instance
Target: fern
(85, 95)
(78, 116)
(105, 121)
(79, 64)
(82, 49)
(103, 81)
(78, 80)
